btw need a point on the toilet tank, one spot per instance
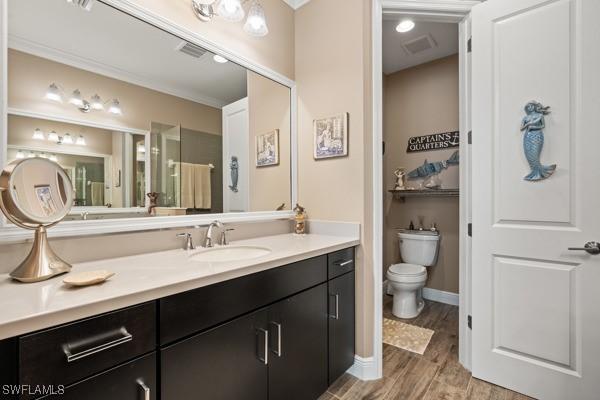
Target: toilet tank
(419, 247)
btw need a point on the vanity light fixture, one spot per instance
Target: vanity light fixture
(31, 155)
(406, 25)
(53, 158)
(233, 11)
(53, 136)
(38, 134)
(220, 59)
(141, 148)
(67, 139)
(56, 93)
(20, 155)
(80, 141)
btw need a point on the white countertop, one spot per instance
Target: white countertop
(27, 307)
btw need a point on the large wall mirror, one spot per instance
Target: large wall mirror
(128, 109)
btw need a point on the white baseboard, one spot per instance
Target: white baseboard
(439, 296)
(364, 368)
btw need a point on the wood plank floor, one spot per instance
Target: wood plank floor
(436, 375)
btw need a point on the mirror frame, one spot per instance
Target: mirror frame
(11, 233)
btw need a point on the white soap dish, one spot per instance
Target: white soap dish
(87, 278)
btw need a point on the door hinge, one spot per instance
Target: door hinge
(469, 46)
(470, 229)
(470, 137)
(470, 322)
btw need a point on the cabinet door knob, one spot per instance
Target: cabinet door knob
(145, 388)
(265, 356)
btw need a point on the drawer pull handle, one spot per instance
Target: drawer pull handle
(337, 306)
(343, 263)
(265, 358)
(124, 338)
(278, 351)
(145, 388)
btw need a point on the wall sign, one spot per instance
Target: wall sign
(436, 141)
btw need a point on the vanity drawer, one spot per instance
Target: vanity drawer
(69, 353)
(196, 310)
(135, 380)
(340, 262)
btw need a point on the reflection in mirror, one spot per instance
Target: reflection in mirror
(133, 110)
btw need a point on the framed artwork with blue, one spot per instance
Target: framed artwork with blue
(331, 136)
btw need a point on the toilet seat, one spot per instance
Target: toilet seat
(407, 273)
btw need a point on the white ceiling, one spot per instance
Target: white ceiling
(115, 44)
(396, 57)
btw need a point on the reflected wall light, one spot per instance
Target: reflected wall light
(233, 11)
(56, 93)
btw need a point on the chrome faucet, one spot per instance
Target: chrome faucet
(208, 241)
(189, 242)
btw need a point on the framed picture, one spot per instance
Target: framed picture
(44, 196)
(267, 149)
(331, 136)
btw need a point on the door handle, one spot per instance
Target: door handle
(590, 247)
(145, 388)
(265, 357)
(278, 350)
(336, 306)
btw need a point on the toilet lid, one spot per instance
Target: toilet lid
(407, 269)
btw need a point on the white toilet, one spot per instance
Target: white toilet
(418, 249)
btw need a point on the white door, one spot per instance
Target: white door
(236, 139)
(536, 304)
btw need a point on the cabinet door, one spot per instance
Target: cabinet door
(341, 325)
(225, 363)
(298, 346)
(135, 380)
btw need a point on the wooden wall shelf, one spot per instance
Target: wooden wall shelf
(403, 194)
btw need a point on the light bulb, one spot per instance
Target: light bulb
(53, 158)
(231, 10)
(53, 93)
(220, 59)
(256, 23)
(115, 107)
(80, 141)
(30, 155)
(38, 134)
(20, 154)
(141, 148)
(96, 103)
(67, 139)
(53, 136)
(76, 98)
(405, 26)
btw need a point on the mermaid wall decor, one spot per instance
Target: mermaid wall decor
(533, 125)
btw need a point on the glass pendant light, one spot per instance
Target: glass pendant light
(96, 103)
(256, 23)
(38, 134)
(231, 10)
(115, 107)
(53, 93)
(20, 155)
(67, 139)
(53, 136)
(80, 141)
(76, 98)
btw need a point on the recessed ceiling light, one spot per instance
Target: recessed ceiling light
(220, 59)
(405, 25)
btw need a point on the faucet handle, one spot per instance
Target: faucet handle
(224, 241)
(189, 243)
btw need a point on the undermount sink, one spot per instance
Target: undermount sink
(230, 253)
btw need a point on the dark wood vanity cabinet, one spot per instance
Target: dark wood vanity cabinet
(281, 334)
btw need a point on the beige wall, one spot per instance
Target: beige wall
(331, 55)
(420, 101)
(29, 77)
(20, 131)
(269, 109)
(274, 51)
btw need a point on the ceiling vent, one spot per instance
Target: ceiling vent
(419, 44)
(190, 49)
(85, 4)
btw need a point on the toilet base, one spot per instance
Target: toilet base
(408, 303)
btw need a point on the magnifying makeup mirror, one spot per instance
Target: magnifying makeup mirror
(36, 193)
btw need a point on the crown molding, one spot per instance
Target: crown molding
(36, 49)
(296, 4)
